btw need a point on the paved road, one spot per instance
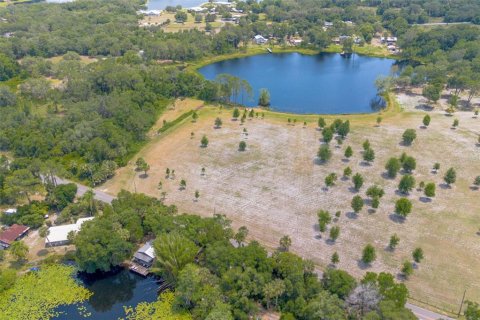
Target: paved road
(99, 195)
(440, 23)
(421, 313)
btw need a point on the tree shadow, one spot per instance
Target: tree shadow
(423, 127)
(389, 249)
(445, 186)
(143, 176)
(474, 188)
(397, 218)
(425, 199)
(401, 277)
(371, 211)
(345, 160)
(317, 161)
(365, 164)
(42, 253)
(343, 178)
(330, 242)
(424, 107)
(362, 265)
(352, 215)
(386, 176)
(352, 190)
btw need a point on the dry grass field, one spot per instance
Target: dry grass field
(276, 187)
(174, 26)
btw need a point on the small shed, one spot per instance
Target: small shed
(145, 255)
(12, 234)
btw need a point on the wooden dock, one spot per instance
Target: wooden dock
(141, 270)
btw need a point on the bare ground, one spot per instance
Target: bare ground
(277, 186)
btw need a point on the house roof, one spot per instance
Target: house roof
(13, 233)
(60, 233)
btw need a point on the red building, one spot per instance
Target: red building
(13, 233)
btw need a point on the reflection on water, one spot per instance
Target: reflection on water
(378, 103)
(111, 292)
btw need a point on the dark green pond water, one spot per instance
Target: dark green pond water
(327, 83)
(111, 293)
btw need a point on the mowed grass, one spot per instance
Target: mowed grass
(174, 26)
(277, 186)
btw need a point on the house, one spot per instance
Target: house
(145, 255)
(12, 234)
(259, 39)
(389, 40)
(58, 235)
(150, 12)
(327, 24)
(296, 42)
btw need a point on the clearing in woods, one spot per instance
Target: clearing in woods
(276, 187)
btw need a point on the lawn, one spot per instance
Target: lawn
(277, 186)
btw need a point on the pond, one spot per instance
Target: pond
(111, 292)
(327, 83)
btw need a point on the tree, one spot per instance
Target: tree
(409, 136)
(403, 207)
(432, 92)
(394, 240)
(363, 299)
(241, 235)
(392, 167)
(347, 172)
(324, 153)
(409, 164)
(473, 311)
(476, 181)
(407, 269)
(334, 233)
(369, 155)
(366, 145)
(142, 165)
(343, 129)
(375, 192)
(285, 243)
(348, 152)
(7, 97)
(43, 231)
(338, 282)
(450, 176)
(335, 258)
(242, 146)
(19, 250)
(218, 123)
(181, 16)
(455, 123)
(330, 179)
(426, 120)
(22, 182)
(264, 99)
(429, 190)
(368, 254)
(436, 167)
(357, 181)
(194, 116)
(274, 289)
(407, 183)
(375, 202)
(198, 18)
(197, 195)
(357, 204)
(324, 218)
(204, 141)
(327, 134)
(321, 123)
(236, 113)
(183, 184)
(379, 120)
(417, 255)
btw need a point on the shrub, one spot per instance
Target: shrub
(409, 136)
(403, 207)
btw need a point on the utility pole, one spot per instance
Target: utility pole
(461, 304)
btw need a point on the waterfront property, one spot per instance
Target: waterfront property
(326, 83)
(12, 234)
(58, 235)
(145, 255)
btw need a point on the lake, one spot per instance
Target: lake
(327, 83)
(161, 4)
(110, 293)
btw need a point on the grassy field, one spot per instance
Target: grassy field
(277, 186)
(174, 26)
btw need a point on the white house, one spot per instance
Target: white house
(259, 39)
(10, 211)
(58, 235)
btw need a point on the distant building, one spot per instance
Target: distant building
(145, 255)
(10, 211)
(58, 235)
(12, 234)
(150, 12)
(388, 40)
(259, 39)
(328, 24)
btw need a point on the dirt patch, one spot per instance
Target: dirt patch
(277, 186)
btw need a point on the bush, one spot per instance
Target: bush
(409, 136)
(324, 153)
(450, 176)
(357, 204)
(368, 254)
(242, 146)
(357, 181)
(429, 190)
(403, 207)
(407, 183)
(393, 166)
(409, 164)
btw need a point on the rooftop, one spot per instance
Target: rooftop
(60, 233)
(13, 233)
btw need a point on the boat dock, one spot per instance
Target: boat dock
(141, 270)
